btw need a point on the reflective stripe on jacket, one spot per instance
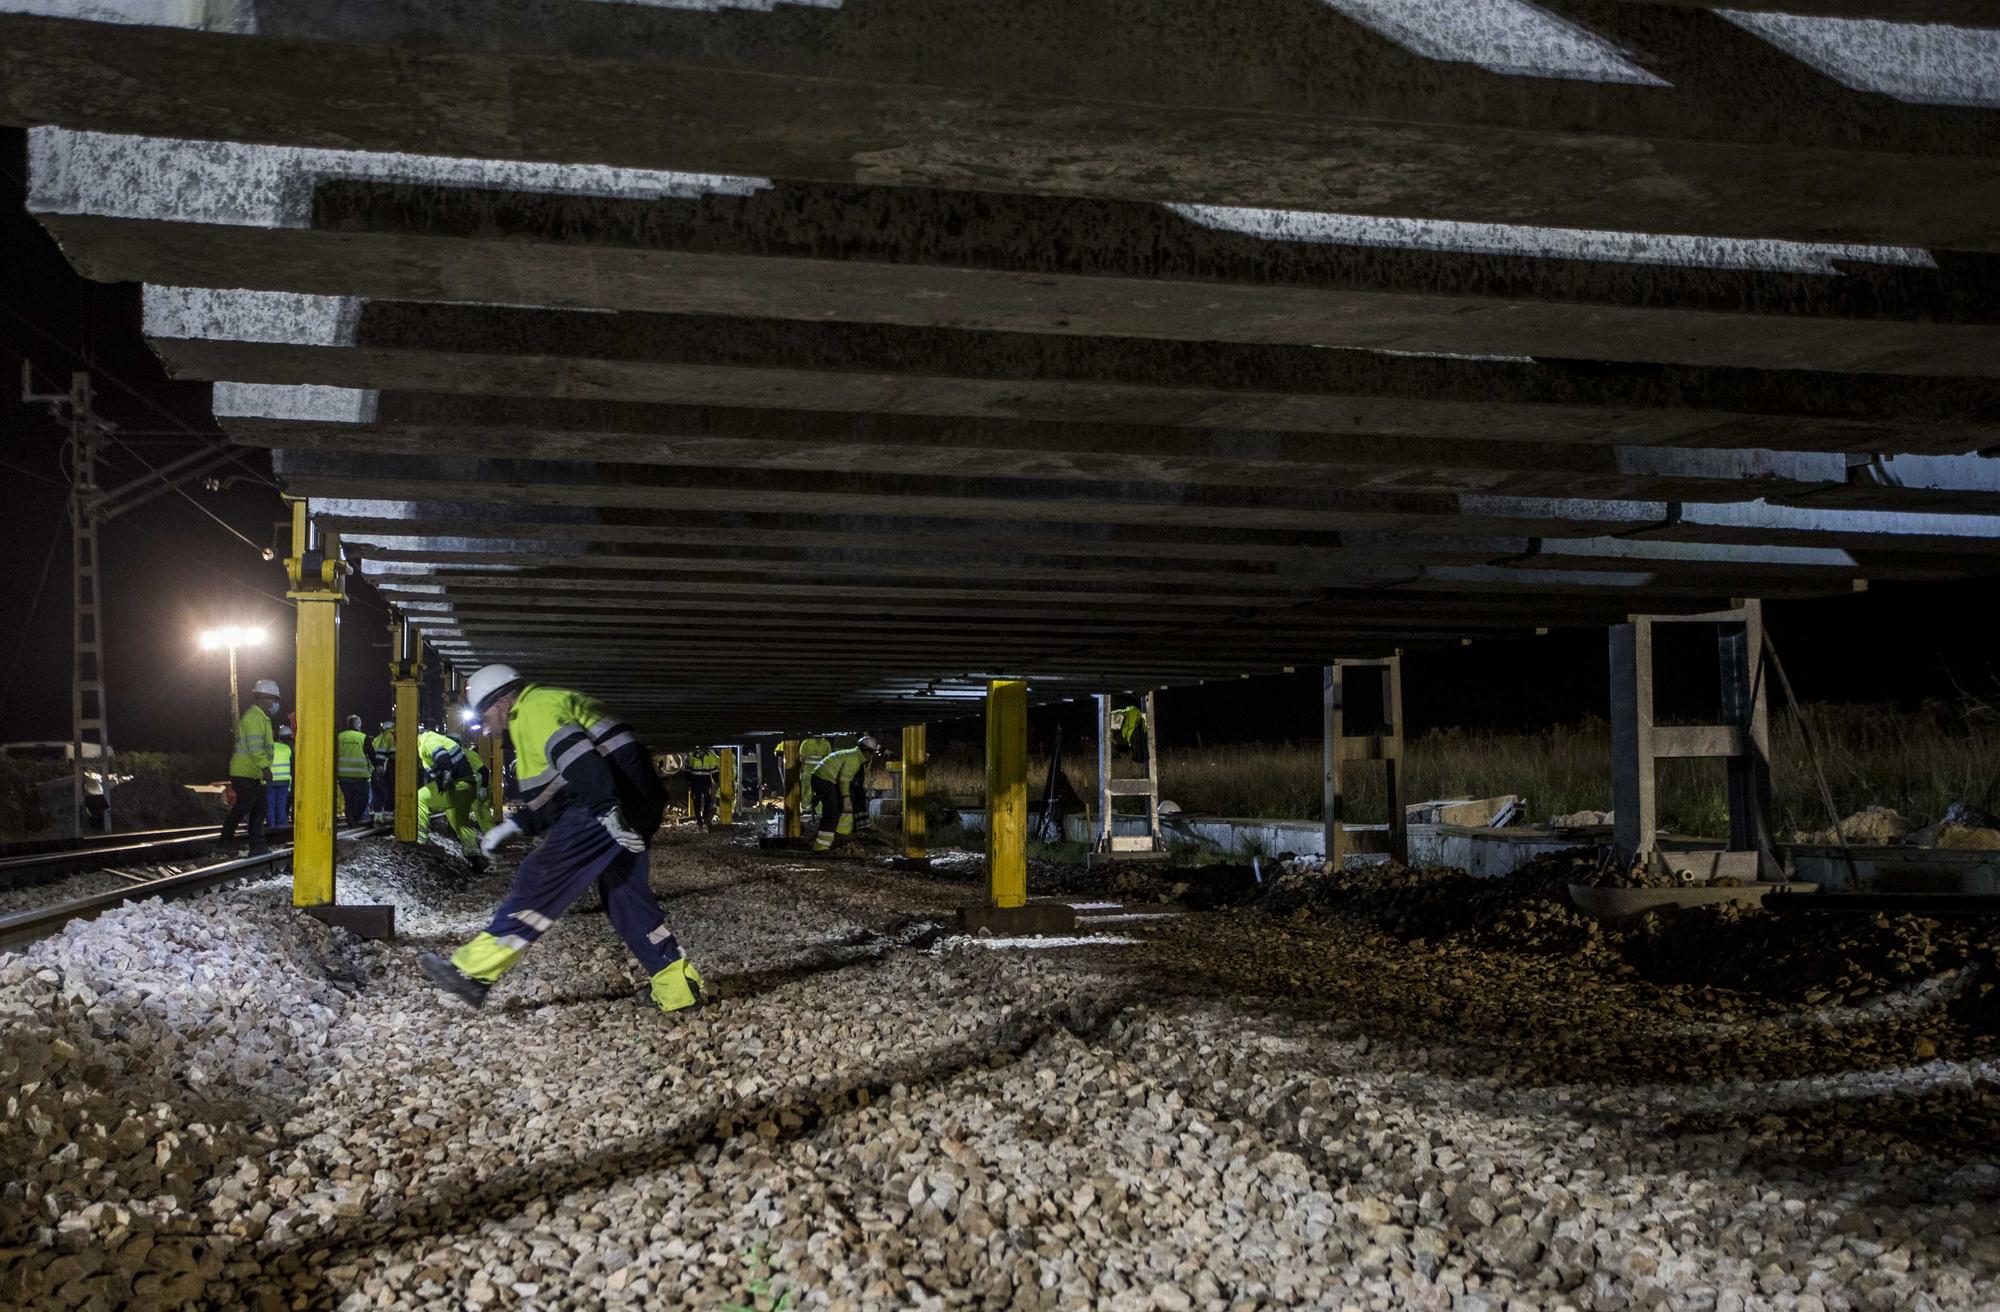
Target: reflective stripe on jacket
(811, 752)
(350, 754)
(252, 755)
(708, 763)
(281, 763)
(569, 751)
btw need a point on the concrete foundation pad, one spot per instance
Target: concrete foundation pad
(366, 920)
(1034, 918)
(1619, 903)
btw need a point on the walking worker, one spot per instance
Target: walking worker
(382, 784)
(278, 792)
(589, 785)
(250, 765)
(704, 767)
(453, 789)
(351, 769)
(831, 779)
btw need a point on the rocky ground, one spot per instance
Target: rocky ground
(1399, 1093)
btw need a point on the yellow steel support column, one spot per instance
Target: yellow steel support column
(318, 586)
(725, 801)
(915, 838)
(789, 751)
(406, 669)
(1007, 791)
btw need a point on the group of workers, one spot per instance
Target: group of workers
(454, 780)
(588, 787)
(833, 780)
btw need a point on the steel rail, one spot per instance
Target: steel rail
(24, 927)
(18, 871)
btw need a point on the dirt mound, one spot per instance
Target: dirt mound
(147, 801)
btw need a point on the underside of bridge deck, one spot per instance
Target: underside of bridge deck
(766, 364)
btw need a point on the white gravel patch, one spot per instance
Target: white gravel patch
(221, 1102)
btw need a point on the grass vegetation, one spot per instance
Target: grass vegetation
(1918, 762)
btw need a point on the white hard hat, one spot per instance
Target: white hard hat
(354, 722)
(870, 743)
(488, 682)
(265, 688)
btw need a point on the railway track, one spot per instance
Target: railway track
(46, 860)
(159, 868)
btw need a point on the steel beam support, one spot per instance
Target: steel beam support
(725, 801)
(406, 672)
(1742, 740)
(1007, 792)
(915, 763)
(1343, 747)
(318, 587)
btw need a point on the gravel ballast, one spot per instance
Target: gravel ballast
(219, 1102)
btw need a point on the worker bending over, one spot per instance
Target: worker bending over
(704, 767)
(250, 766)
(589, 785)
(453, 789)
(831, 779)
(351, 769)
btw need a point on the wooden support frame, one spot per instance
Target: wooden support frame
(1147, 786)
(1342, 749)
(1742, 740)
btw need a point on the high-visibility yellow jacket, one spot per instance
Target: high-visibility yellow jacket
(384, 744)
(443, 757)
(350, 755)
(811, 752)
(252, 755)
(1131, 722)
(840, 768)
(281, 763)
(568, 751)
(707, 763)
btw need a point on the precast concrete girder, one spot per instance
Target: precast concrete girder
(1603, 121)
(369, 346)
(397, 227)
(642, 487)
(744, 438)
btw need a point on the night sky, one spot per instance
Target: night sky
(172, 570)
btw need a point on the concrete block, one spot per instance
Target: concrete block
(367, 920)
(1034, 918)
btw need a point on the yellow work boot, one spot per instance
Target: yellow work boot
(678, 987)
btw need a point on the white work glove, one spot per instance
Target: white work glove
(498, 837)
(621, 833)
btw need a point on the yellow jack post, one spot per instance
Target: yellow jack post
(318, 580)
(794, 828)
(725, 802)
(1008, 910)
(406, 669)
(915, 836)
(1007, 791)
